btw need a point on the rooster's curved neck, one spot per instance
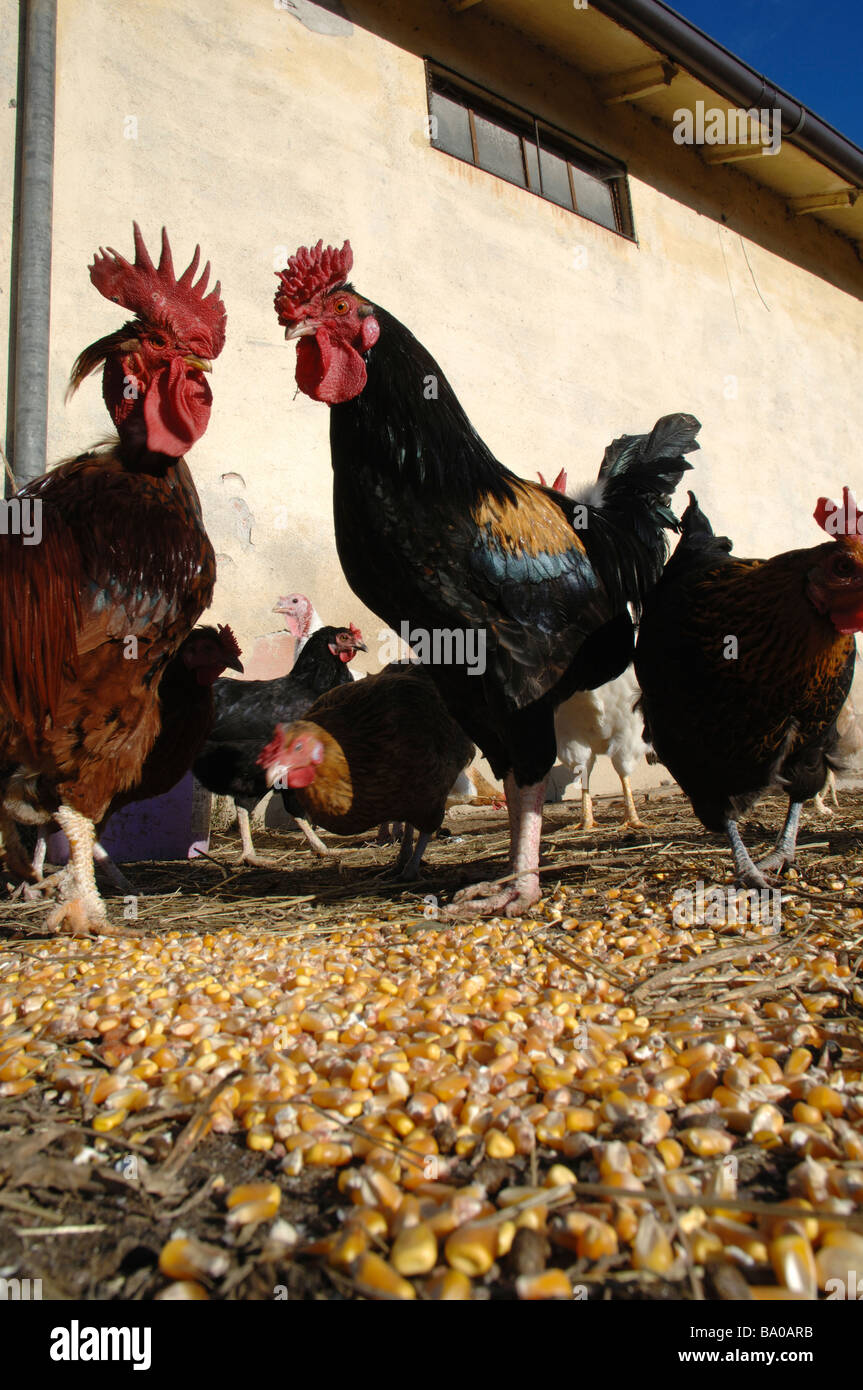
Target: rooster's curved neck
(407, 425)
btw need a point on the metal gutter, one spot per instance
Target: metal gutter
(33, 276)
(664, 29)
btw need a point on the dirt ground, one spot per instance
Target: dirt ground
(88, 1206)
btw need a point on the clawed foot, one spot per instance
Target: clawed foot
(81, 917)
(775, 863)
(751, 879)
(635, 824)
(508, 899)
(29, 892)
(257, 861)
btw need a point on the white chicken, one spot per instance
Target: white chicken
(849, 727)
(602, 721)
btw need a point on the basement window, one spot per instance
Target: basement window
(471, 124)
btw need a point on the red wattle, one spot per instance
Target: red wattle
(176, 408)
(328, 370)
(301, 776)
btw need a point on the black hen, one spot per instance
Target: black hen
(744, 666)
(433, 532)
(246, 713)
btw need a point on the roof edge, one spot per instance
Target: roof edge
(683, 42)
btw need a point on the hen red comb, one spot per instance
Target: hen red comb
(355, 632)
(836, 520)
(559, 484)
(308, 272)
(155, 294)
(228, 641)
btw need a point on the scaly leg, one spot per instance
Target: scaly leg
(40, 852)
(407, 865)
(249, 855)
(745, 870)
(831, 787)
(587, 819)
(512, 898)
(103, 860)
(783, 851)
(83, 913)
(315, 842)
(631, 818)
(411, 869)
(406, 846)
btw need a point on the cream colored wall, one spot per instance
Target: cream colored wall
(255, 133)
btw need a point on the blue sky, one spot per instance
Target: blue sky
(812, 50)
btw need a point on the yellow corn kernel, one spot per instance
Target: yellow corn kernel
(370, 1220)
(597, 1239)
(349, 1246)
(328, 1155)
(184, 1257)
(449, 1284)
(559, 1175)
(794, 1264)
(551, 1283)
(108, 1120)
(268, 1192)
(472, 1249)
(626, 1223)
(825, 1099)
(377, 1279)
(670, 1152)
(415, 1250)
(185, 1289)
(498, 1144)
(578, 1119)
(798, 1062)
(705, 1245)
(651, 1248)
(259, 1139)
(706, 1143)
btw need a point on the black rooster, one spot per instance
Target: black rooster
(432, 531)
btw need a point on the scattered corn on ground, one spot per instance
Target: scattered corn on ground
(613, 1091)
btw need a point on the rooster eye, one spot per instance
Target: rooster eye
(843, 566)
(341, 306)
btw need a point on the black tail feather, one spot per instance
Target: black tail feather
(629, 508)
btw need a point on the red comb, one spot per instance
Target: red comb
(155, 294)
(355, 632)
(228, 640)
(559, 484)
(308, 272)
(836, 520)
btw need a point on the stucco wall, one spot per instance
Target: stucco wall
(240, 127)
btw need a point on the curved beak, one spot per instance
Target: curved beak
(200, 362)
(303, 329)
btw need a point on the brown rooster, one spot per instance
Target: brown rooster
(380, 749)
(186, 710)
(125, 569)
(744, 666)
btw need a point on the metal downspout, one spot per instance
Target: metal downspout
(33, 318)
